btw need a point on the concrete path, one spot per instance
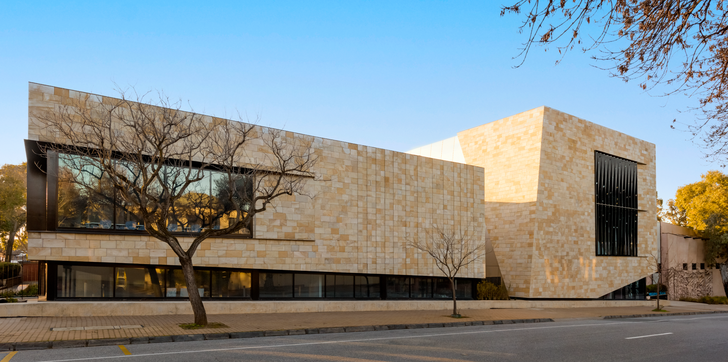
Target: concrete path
(32, 329)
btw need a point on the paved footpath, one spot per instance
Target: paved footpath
(36, 329)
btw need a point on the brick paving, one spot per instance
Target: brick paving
(32, 329)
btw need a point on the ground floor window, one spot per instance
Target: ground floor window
(76, 281)
(636, 290)
(98, 281)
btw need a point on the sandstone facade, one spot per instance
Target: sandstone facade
(367, 203)
(540, 202)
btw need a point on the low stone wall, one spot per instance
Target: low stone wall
(106, 309)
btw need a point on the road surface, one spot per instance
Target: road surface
(678, 338)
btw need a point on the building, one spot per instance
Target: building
(684, 270)
(568, 206)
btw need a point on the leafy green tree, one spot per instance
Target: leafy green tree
(703, 200)
(13, 192)
(705, 205)
(674, 214)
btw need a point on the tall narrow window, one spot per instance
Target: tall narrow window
(616, 205)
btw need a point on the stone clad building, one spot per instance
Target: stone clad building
(543, 200)
(566, 205)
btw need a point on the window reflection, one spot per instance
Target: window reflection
(139, 282)
(177, 286)
(366, 286)
(397, 287)
(87, 199)
(85, 194)
(276, 285)
(339, 286)
(76, 281)
(441, 288)
(309, 286)
(230, 284)
(421, 288)
(463, 289)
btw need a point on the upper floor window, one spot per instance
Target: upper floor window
(616, 205)
(87, 198)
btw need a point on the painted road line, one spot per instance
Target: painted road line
(8, 357)
(284, 345)
(123, 349)
(649, 335)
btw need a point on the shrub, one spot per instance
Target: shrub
(706, 300)
(489, 291)
(652, 288)
(30, 290)
(9, 270)
(713, 300)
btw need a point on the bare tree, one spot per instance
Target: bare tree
(681, 45)
(452, 249)
(658, 270)
(154, 158)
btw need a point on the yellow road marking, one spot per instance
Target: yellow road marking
(123, 349)
(8, 357)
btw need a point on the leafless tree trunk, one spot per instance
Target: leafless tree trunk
(18, 222)
(658, 269)
(10, 243)
(452, 249)
(153, 157)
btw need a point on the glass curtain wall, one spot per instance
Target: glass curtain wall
(152, 282)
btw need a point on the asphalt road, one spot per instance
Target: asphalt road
(679, 338)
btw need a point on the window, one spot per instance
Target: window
(636, 290)
(85, 194)
(75, 281)
(276, 285)
(339, 286)
(139, 282)
(397, 287)
(616, 205)
(464, 289)
(442, 288)
(230, 284)
(695, 266)
(685, 266)
(421, 288)
(177, 286)
(702, 266)
(366, 286)
(309, 286)
(88, 200)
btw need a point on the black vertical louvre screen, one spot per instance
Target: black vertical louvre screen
(616, 205)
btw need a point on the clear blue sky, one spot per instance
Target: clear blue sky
(389, 74)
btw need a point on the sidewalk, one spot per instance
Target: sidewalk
(35, 329)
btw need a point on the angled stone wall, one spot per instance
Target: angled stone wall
(539, 202)
(509, 150)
